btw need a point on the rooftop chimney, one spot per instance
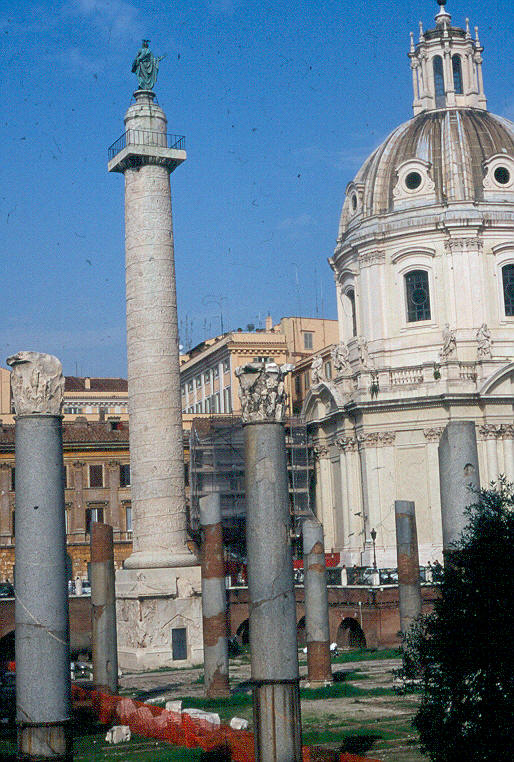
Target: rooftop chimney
(269, 323)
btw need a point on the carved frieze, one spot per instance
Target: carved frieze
(460, 245)
(433, 434)
(262, 392)
(490, 431)
(347, 444)
(321, 451)
(369, 258)
(37, 383)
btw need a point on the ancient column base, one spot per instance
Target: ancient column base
(159, 618)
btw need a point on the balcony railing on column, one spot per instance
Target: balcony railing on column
(146, 138)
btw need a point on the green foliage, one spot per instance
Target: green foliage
(463, 651)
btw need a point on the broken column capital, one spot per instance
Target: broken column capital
(262, 392)
(37, 383)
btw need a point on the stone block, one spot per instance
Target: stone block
(118, 734)
(174, 706)
(237, 723)
(200, 714)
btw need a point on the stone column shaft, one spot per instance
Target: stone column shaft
(317, 631)
(273, 642)
(409, 589)
(214, 599)
(458, 472)
(43, 688)
(103, 613)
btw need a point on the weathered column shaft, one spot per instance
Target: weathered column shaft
(409, 588)
(273, 642)
(103, 609)
(458, 472)
(214, 601)
(43, 688)
(319, 670)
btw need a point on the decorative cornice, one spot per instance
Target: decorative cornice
(377, 438)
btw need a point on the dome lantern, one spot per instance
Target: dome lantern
(446, 66)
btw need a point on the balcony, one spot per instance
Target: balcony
(137, 147)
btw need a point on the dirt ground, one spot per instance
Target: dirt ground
(371, 720)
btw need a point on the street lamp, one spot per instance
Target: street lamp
(373, 538)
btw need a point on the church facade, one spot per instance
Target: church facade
(424, 272)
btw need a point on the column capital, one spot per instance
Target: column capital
(262, 392)
(37, 383)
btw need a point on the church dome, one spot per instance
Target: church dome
(438, 157)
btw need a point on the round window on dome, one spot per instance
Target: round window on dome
(502, 175)
(413, 180)
(354, 202)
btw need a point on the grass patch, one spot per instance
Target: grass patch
(342, 689)
(364, 654)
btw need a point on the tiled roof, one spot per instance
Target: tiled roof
(78, 384)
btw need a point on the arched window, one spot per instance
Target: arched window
(508, 289)
(417, 296)
(440, 99)
(351, 298)
(457, 74)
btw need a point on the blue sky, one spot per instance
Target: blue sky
(280, 103)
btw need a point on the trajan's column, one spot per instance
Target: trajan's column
(159, 615)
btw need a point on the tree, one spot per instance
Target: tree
(464, 649)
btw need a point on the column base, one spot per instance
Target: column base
(159, 618)
(149, 559)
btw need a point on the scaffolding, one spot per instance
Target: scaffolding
(217, 465)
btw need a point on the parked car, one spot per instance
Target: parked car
(6, 590)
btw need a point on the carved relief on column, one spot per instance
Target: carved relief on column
(77, 517)
(37, 383)
(113, 470)
(262, 392)
(5, 508)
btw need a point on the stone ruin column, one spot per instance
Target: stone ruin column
(409, 588)
(273, 642)
(158, 591)
(42, 641)
(319, 669)
(103, 609)
(214, 599)
(458, 472)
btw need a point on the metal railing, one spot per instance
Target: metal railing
(146, 138)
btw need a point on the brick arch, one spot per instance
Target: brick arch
(350, 635)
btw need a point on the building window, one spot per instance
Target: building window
(328, 370)
(216, 371)
(418, 297)
(199, 380)
(298, 386)
(351, 298)
(66, 477)
(13, 479)
(95, 513)
(125, 475)
(508, 289)
(128, 518)
(227, 404)
(226, 366)
(307, 340)
(440, 99)
(207, 377)
(457, 74)
(189, 386)
(96, 476)
(179, 643)
(306, 379)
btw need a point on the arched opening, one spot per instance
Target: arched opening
(349, 312)
(440, 100)
(300, 631)
(457, 74)
(350, 635)
(243, 632)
